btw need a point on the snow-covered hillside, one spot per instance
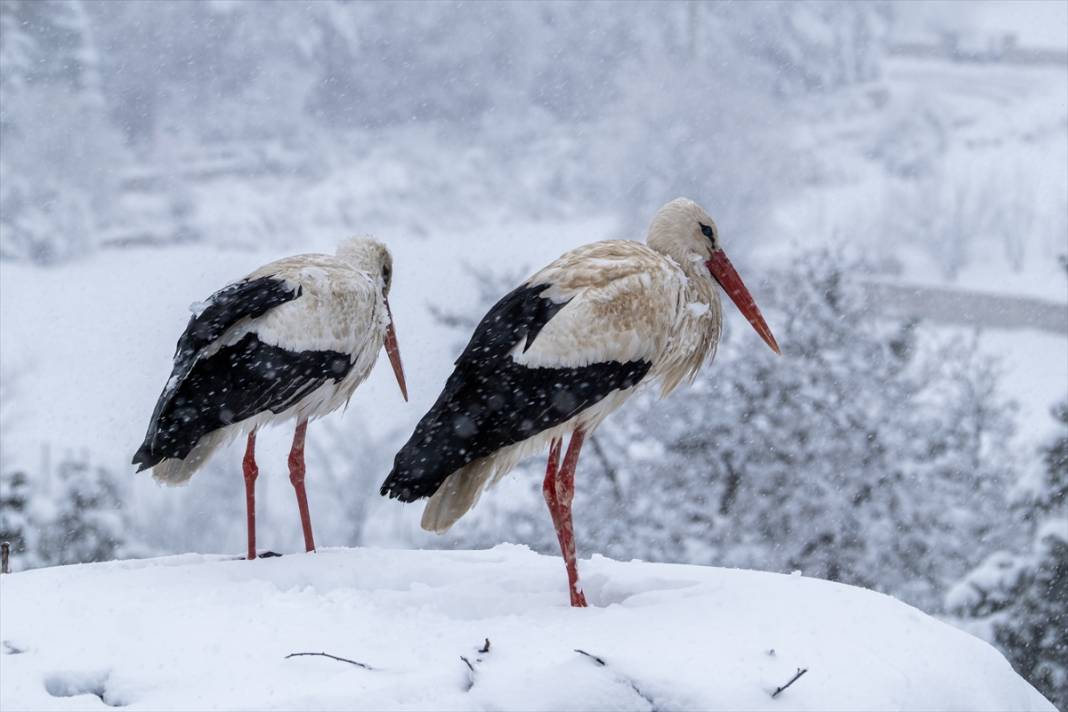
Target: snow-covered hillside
(210, 632)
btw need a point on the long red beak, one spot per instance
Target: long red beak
(393, 351)
(724, 273)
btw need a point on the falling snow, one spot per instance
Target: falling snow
(891, 180)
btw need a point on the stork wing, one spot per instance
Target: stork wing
(246, 299)
(559, 344)
(169, 434)
(615, 300)
(235, 383)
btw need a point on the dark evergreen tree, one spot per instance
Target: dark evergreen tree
(1034, 634)
(14, 511)
(88, 523)
(1022, 598)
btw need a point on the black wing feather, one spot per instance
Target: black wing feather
(238, 381)
(490, 401)
(248, 298)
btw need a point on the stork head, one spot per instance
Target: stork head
(684, 231)
(372, 257)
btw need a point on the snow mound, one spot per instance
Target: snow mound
(213, 632)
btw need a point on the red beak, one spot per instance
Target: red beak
(724, 273)
(393, 351)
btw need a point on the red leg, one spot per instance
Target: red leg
(296, 476)
(548, 487)
(559, 491)
(248, 465)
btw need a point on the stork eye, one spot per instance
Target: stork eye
(386, 274)
(706, 230)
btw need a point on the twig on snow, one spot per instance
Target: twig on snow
(622, 678)
(595, 659)
(470, 674)
(795, 678)
(365, 666)
(470, 666)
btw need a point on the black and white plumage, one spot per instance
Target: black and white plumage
(492, 402)
(558, 354)
(291, 341)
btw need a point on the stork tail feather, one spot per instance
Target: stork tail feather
(174, 471)
(456, 496)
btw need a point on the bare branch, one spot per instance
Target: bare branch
(365, 666)
(622, 678)
(485, 647)
(470, 674)
(595, 659)
(606, 465)
(795, 678)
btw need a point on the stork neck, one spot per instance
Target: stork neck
(692, 265)
(696, 325)
(667, 242)
(700, 282)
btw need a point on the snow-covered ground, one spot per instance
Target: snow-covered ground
(209, 632)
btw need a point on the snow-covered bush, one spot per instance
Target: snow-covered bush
(75, 516)
(84, 520)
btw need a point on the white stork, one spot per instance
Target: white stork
(291, 341)
(558, 354)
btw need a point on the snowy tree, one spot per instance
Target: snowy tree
(85, 520)
(15, 525)
(1034, 635)
(842, 458)
(1022, 598)
(814, 46)
(48, 42)
(60, 150)
(17, 49)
